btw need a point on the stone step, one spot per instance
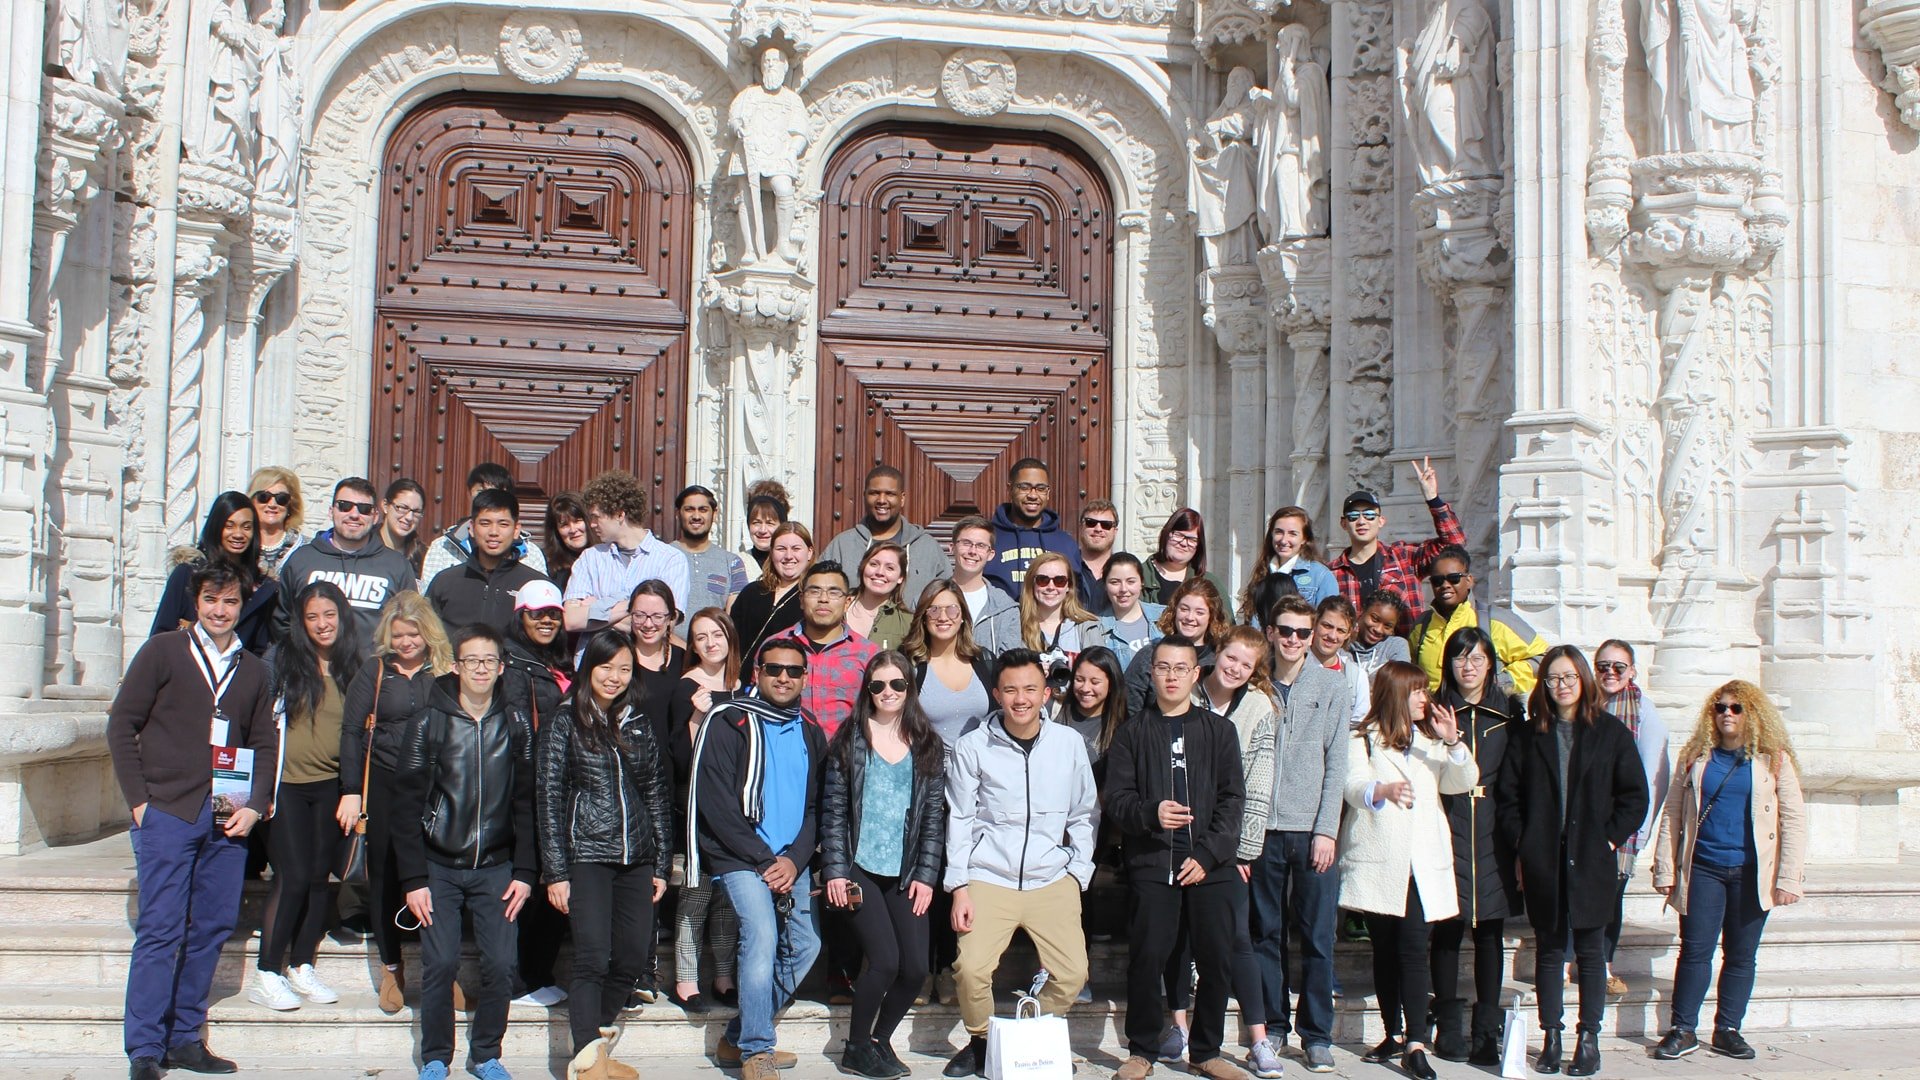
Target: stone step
(52, 1021)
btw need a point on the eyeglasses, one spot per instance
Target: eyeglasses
(1050, 581)
(1098, 523)
(790, 671)
(1362, 515)
(1300, 633)
(898, 686)
(283, 499)
(944, 611)
(829, 591)
(972, 545)
(649, 618)
(348, 506)
(1184, 539)
(1033, 489)
(1173, 669)
(1437, 580)
(1472, 660)
(1563, 680)
(479, 663)
(401, 511)
(1612, 667)
(1723, 707)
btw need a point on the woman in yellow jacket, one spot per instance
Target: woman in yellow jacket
(1731, 847)
(1396, 847)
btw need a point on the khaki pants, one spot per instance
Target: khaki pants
(1050, 916)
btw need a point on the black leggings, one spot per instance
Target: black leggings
(1400, 967)
(384, 898)
(895, 942)
(301, 852)
(611, 911)
(1489, 968)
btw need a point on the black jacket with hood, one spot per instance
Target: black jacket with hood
(176, 610)
(469, 593)
(1140, 778)
(608, 804)
(924, 840)
(1015, 545)
(463, 790)
(369, 576)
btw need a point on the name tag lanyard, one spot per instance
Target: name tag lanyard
(217, 731)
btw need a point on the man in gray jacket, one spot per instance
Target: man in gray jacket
(886, 519)
(1295, 882)
(996, 614)
(1022, 812)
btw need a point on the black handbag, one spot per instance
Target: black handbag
(350, 859)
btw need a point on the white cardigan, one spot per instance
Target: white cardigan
(1380, 849)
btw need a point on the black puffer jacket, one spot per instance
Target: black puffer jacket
(400, 699)
(463, 791)
(601, 805)
(1482, 852)
(530, 683)
(924, 844)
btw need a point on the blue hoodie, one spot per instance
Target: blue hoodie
(1016, 545)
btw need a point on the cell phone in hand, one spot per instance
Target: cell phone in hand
(854, 895)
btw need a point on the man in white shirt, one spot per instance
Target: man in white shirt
(1333, 623)
(606, 574)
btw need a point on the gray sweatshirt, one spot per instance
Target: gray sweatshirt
(1310, 753)
(926, 562)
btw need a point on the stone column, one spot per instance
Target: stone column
(210, 201)
(1235, 309)
(1299, 280)
(25, 426)
(762, 311)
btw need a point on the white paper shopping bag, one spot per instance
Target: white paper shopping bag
(1029, 1046)
(1514, 1043)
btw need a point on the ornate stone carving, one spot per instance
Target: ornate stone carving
(1609, 182)
(756, 23)
(87, 42)
(1363, 254)
(224, 67)
(199, 264)
(1225, 174)
(1292, 141)
(1701, 93)
(1893, 27)
(1299, 280)
(1449, 86)
(278, 106)
(771, 129)
(978, 82)
(763, 311)
(1142, 12)
(541, 47)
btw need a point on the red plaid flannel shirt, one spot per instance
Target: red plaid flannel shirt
(1403, 563)
(833, 676)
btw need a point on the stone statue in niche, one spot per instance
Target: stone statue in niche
(88, 40)
(219, 121)
(769, 123)
(1449, 89)
(1701, 94)
(277, 106)
(1292, 141)
(1225, 171)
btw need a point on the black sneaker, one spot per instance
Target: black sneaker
(970, 1061)
(861, 1059)
(1676, 1044)
(1728, 1042)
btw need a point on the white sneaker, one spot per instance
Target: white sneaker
(304, 979)
(546, 997)
(271, 989)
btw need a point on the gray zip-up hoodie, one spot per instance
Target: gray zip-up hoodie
(998, 627)
(1310, 753)
(1019, 818)
(926, 562)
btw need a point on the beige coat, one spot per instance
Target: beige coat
(1380, 849)
(1779, 831)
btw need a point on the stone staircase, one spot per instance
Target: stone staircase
(1846, 957)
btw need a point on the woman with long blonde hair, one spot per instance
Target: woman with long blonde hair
(282, 514)
(1052, 622)
(410, 651)
(1731, 848)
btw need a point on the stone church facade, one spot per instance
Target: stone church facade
(1638, 276)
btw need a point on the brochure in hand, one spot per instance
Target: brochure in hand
(232, 781)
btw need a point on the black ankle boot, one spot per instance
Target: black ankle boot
(1549, 1060)
(1486, 1051)
(970, 1061)
(1586, 1053)
(884, 1047)
(861, 1059)
(1450, 1029)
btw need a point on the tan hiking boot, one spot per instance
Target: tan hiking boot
(1218, 1068)
(393, 990)
(759, 1067)
(729, 1056)
(1134, 1068)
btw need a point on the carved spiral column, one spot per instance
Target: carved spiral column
(209, 200)
(1235, 310)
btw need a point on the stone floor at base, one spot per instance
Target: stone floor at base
(1857, 1055)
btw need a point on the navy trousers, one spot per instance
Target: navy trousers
(189, 880)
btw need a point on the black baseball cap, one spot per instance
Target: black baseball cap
(1359, 498)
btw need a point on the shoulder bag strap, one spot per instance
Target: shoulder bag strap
(366, 758)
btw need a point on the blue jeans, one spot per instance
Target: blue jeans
(1723, 906)
(775, 954)
(1287, 891)
(189, 880)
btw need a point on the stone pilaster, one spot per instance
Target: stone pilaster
(1234, 306)
(763, 311)
(1299, 280)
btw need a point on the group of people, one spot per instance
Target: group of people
(899, 755)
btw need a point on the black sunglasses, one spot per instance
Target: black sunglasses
(1301, 632)
(898, 686)
(348, 506)
(284, 498)
(1098, 523)
(1733, 707)
(1446, 579)
(791, 671)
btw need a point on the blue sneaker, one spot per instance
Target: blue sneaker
(490, 1070)
(1173, 1044)
(434, 1070)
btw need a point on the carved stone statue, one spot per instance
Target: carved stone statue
(770, 123)
(277, 108)
(1292, 142)
(88, 40)
(1225, 195)
(219, 121)
(1449, 88)
(1701, 95)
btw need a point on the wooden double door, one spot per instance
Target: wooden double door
(533, 298)
(964, 320)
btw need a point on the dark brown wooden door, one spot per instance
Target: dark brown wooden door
(964, 319)
(533, 297)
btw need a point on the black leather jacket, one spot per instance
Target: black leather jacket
(924, 845)
(463, 791)
(611, 805)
